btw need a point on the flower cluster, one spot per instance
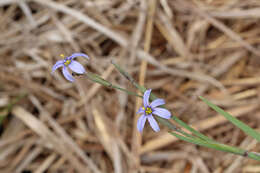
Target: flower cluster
(148, 109)
(72, 64)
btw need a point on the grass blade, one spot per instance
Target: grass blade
(218, 146)
(192, 130)
(248, 130)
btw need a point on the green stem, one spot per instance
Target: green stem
(200, 139)
(152, 97)
(95, 78)
(129, 77)
(192, 130)
(172, 127)
(163, 121)
(221, 147)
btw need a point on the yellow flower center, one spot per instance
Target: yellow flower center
(67, 62)
(147, 110)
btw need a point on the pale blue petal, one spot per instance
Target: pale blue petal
(153, 123)
(146, 97)
(141, 110)
(161, 112)
(76, 67)
(140, 123)
(74, 55)
(67, 75)
(57, 65)
(157, 102)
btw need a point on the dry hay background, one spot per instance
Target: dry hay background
(179, 48)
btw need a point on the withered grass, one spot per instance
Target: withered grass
(179, 48)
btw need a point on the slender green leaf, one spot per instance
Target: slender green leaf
(248, 130)
(192, 130)
(217, 146)
(95, 78)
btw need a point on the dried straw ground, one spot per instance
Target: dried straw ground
(179, 48)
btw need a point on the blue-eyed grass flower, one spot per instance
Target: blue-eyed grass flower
(72, 64)
(147, 111)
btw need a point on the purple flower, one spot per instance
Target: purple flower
(148, 109)
(72, 64)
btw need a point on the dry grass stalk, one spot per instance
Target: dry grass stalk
(180, 49)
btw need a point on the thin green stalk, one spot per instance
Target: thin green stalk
(200, 139)
(166, 123)
(253, 155)
(220, 147)
(172, 127)
(192, 130)
(95, 78)
(128, 77)
(153, 97)
(248, 130)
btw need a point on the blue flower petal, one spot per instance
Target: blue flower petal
(66, 74)
(57, 65)
(161, 112)
(153, 123)
(140, 123)
(74, 55)
(157, 102)
(146, 97)
(76, 67)
(141, 110)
